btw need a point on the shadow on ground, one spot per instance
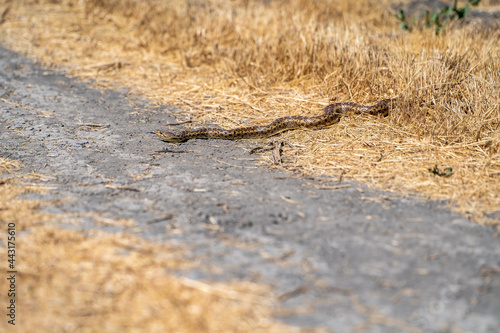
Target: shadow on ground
(343, 258)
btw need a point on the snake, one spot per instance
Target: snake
(331, 115)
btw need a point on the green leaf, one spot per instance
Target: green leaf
(400, 15)
(474, 2)
(447, 172)
(438, 29)
(461, 12)
(446, 11)
(405, 26)
(435, 16)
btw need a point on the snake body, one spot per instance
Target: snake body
(331, 115)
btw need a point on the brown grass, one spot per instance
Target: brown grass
(70, 281)
(241, 62)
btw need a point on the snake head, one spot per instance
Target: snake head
(170, 137)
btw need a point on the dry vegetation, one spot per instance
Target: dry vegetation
(71, 281)
(245, 62)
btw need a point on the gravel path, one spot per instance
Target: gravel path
(348, 257)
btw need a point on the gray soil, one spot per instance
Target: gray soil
(345, 259)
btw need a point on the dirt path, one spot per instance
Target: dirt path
(350, 257)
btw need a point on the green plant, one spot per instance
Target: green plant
(437, 18)
(447, 172)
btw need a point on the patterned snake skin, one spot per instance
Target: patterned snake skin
(331, 115)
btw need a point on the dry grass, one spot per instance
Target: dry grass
(241, 62)
(115, 283)
(70, 281)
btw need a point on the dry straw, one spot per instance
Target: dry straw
(92, 281)
(234, 63)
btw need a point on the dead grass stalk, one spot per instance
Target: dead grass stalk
(238, 62)
(69, 281)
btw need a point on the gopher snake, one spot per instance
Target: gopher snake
(331, 115)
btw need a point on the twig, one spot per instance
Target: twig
(94, 125)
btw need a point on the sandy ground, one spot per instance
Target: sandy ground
(341, 257)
